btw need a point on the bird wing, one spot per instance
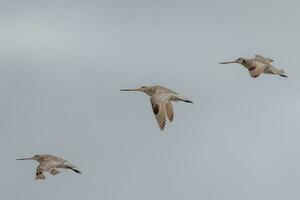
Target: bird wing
(48, 157)
(159, 102)
(162, 89)
(54, 172)
(269, 70)
(273, 70)
(170, 111)
(255, 71)
(46, 166)
(39, 173)
(256, 68)
(264, 59)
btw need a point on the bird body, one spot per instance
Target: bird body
(258, 65)
(161, 101)
(51, 164)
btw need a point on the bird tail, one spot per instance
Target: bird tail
(179, 98)
(281, 73)
(275, 71)
(75, 170)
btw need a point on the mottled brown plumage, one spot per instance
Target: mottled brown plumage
(50, 163)
(161, 100)
(258, 65)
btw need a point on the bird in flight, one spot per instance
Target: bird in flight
(161, 100)
(51, 164)
(258, 65)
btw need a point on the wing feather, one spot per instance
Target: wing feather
(46, 166)
(39, 175)
(159, 102)
(170, 111)
(54, 172)
(264, 59)
(255, 71)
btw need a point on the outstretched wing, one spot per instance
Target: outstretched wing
(170, 111)
(46, 166)
(273, 70)
(54, 172)
(39, 173)
(159, 102)
(256, 71)
(264, 59)
(257, 68)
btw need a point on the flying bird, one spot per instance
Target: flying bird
(161, 100)
(258, 65)
(51, 164)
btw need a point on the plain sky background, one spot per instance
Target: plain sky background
(62, 64)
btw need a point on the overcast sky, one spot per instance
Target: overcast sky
(62, 64)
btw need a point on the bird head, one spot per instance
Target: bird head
(146, 89)
(37, 157)
(239, 60)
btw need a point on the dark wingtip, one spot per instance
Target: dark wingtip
(77, 171)
(188, 101)
(284, 76)
(155, 108)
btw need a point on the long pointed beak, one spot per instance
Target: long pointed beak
(130, 89)
(234, 61)
(24, 159)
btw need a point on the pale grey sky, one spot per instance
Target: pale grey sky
(62, 64)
